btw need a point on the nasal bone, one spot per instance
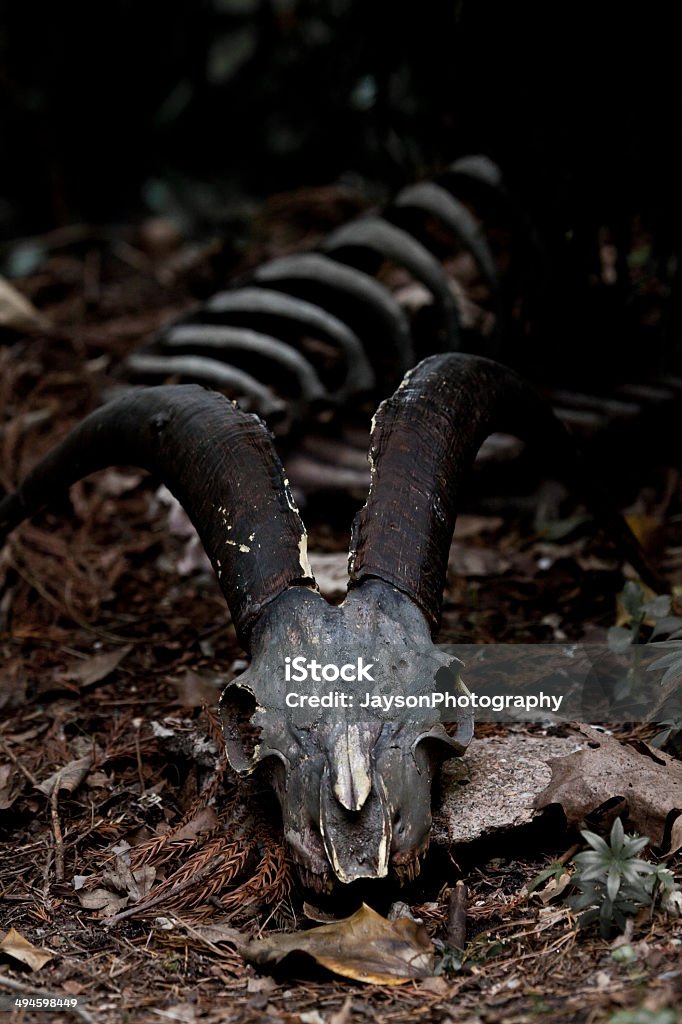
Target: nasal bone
(351, 765)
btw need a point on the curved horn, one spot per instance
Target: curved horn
(424, 441)
(342, 283)
(264, 303)
(219, 463)
(392, 243)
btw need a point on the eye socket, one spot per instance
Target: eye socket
(440, 745)
(237, 706)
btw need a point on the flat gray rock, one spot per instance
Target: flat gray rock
(494, 787)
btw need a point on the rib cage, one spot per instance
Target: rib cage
(314, 340)
(305, 337)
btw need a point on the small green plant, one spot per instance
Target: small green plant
(614, 883)
(671, 661)
(450, 960)
(554, 870)
(647, 621)
(643, 1015)
(641, 612)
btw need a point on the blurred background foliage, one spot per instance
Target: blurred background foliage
(198, 109)
(102, 105)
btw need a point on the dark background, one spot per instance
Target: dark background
(111, 111)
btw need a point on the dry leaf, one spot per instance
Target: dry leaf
(261, 985)
(647, 530)
(649, 781)
(102, 899)
(16, 312)
(15, 945)
(194, 690)
(217, 932)
(184, 1013)
(315, 914)
(9, 787)
(203, 821)
(136, 882)
(466, 560)
(436, 986)
(554, 888)
(130, 885)
(73, 988)
(469, 526)
(69, 777)
(342, 1016)
(364, 947)
(98, 667)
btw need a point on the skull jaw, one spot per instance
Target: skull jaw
(332, 846)
(358, 842)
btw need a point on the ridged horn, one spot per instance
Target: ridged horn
(424, 442)
(220, 464)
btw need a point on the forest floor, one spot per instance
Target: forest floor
(111, 663)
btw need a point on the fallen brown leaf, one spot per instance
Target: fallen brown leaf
(9, 786)
(15, 945)
(649, 781)
(436, 986)
(204, 821)
(469, 526)
(69, 777)
(136, 882)
(261, 985)
(194, 690)
(96, 668)
(16, 312)
(365, 947)
(102, 899)
(467, 560)
(554, 888)
(216, 932)
(342, 1016)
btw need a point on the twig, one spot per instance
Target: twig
(57, 831)
(457, 917)
(17, 763)
(137, 723)
(570, 854)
